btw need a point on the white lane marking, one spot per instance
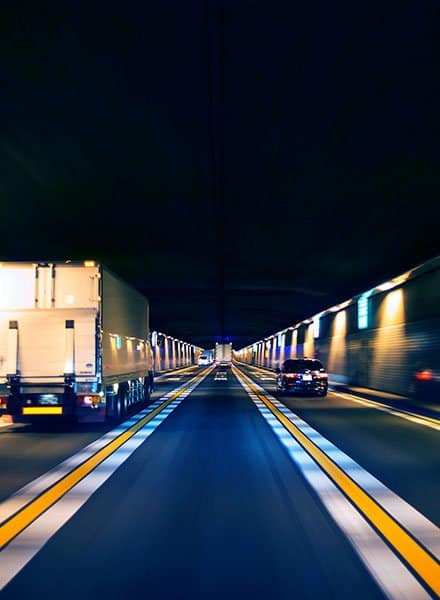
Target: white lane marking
(397, 412)
(27, 544)
(221, 377)
(417, 524)
(403, 414)
(182, 371)
(391, 574)
(413, 521)
(31, 490)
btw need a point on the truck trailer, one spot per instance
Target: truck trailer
(74, 342)
(223, 355)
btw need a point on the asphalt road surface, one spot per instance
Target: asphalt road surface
(220, 489)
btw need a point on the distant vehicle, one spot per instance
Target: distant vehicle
(205, 358)
(73, 342)
(302, 375)
(223, 355)
(426, 385)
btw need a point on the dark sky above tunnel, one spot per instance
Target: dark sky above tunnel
(326, 116)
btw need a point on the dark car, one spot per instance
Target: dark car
(302, 376)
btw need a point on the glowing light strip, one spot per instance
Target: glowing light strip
(419, 559)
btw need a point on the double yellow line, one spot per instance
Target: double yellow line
(419, 559)
(22, 519)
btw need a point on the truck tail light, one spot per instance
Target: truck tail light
(90, 400)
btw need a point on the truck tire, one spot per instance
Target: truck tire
(125, 402)
(148, 388)
(115, 414)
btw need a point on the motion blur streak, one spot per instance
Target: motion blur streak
(32, 511)
(30, 491)
(384, 570)
(30, 541)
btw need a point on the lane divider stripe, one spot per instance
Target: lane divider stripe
(432, 422)
(30, 541)
(421, 528)
(388, 570)
(33, 489)
(419, 559)
(30, 491)
(17, 523)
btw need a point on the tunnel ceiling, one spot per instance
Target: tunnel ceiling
(245, 165)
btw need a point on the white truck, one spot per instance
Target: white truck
(223, 355)
(74, 341)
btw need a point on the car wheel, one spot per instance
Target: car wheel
(281, 389)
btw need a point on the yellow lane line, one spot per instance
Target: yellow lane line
(12, 527)
(426, 567)
(431, 422)
(414, 417)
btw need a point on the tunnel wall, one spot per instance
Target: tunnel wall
(400, 334)
(171, 353)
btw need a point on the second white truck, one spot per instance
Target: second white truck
(223, 355)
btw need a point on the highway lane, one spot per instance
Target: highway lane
(27, 451)
(423, 407)
(209, 505)
(403, 454)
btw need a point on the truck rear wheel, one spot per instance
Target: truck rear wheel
(148, 389)
(114, 414)
(125, 402)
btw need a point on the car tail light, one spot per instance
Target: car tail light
(293, 376)
(3, 402)
(323, 375)
(425, 375)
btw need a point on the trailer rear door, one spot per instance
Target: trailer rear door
(47, 344)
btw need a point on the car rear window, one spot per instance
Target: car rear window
(297, 366)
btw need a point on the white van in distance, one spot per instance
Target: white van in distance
(206, 358)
